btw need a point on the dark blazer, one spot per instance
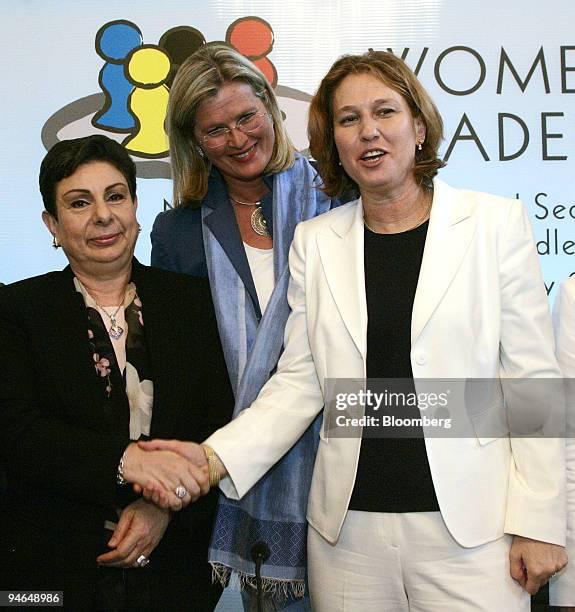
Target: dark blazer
(177, 237)
(61, 442)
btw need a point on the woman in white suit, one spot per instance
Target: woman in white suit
(414, 280)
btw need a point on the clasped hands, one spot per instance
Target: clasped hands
(169, 473)
(157, 469)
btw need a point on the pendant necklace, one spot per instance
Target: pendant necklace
(115, 332)
(257, 220)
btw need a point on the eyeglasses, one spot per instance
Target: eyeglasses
(218, 137)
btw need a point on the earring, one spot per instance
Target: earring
(139, 229)
(55, 243)
(200, 151)
(419, 147)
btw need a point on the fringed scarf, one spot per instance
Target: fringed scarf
(274, 510)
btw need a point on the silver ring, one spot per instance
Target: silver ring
(181, 491)
(141, 561)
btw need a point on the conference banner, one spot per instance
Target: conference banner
(501, 73)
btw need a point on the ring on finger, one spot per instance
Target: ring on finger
(141, 561)
(181, 491)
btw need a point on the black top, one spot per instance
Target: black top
(393, 474)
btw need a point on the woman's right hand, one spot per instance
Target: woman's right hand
(165, 471)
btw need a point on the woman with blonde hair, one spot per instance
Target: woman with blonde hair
(240, 189)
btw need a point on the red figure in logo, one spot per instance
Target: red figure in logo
(254, 38)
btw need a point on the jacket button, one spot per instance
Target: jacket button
(420, 359)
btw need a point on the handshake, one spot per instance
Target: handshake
(170, 473)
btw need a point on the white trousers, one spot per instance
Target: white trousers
(389, 562)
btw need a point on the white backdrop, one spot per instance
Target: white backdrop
(505, 133)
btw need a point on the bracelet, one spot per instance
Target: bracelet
(212, 465)
(120, 473)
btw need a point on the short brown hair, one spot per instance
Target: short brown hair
(199, 78)
(395, 73)
(66, 156)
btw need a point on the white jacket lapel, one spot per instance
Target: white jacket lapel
(341, 252)
(451, 228)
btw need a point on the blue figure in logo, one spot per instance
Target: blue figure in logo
(114, 41)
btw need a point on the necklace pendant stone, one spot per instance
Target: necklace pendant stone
(258, 222)
(116, 331)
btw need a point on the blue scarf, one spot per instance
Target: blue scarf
(274, 510)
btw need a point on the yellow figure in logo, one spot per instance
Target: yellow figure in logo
(148, 68)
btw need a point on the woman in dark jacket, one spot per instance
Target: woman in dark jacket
(95, 357)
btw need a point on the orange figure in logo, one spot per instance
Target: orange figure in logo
(254, 38)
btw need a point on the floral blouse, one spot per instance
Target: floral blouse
(137, 372)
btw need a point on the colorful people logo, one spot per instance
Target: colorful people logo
(135, 80)
(135, 77)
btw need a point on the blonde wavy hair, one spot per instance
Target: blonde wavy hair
(199, 78)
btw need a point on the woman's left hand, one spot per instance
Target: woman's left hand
(140, 529)
(533, 563)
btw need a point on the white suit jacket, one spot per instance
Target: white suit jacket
(480, 311)
(562, 588)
